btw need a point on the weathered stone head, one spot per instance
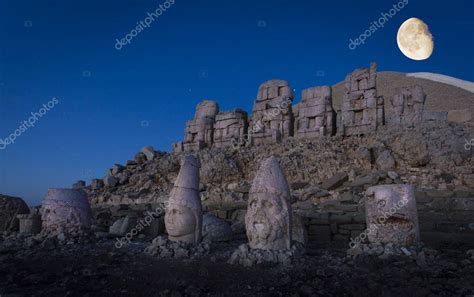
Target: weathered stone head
(392, 215)
(206, 109)
(268, 218)
(183, 218)
(65, 208)
(10, 208)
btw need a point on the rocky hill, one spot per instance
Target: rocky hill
(328, 177)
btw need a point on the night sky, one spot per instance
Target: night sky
(111, 103)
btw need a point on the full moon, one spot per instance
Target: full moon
(415, 40)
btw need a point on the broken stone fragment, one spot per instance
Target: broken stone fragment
(385, 161)
(149, 152)
(79, 184)
(110, 181)
(116, 169)
(215, 229)
(97, 184)
(335, 181)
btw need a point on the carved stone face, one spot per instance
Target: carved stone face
(392, 215)
(180, 223)
(183, 218)
(265, 222)
(268, 217)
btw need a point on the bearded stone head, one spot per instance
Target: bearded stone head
(183, 218)
(268, 217)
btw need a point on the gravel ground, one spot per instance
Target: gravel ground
(100, 269)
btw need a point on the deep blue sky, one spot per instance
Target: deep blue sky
(112, 103)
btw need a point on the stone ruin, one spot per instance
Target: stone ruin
(315, 116)
(10, 208)
(406, 107)
(392, 215)
(362, 110)
(199, 132)
(272, 118)
(65, 210)
(229, 126)
(183, 218)
(275, 119)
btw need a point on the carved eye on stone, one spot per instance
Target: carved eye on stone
(267, 204)
(253, 204)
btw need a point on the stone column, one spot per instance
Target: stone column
(391, 215)
(183, 218)
(268, 218)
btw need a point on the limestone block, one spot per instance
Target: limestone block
(460, 116)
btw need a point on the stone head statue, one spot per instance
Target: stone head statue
(268, 218)
(392, 214)
(206, 109)
(183, 218)
(66, 208)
